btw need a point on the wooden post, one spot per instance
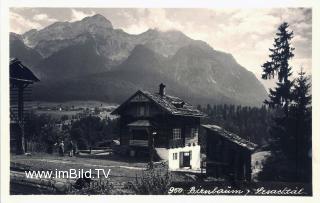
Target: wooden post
(151, 147)
(20, 139)
(236, 166)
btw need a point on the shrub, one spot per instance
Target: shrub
(98, 187)
(154, 181)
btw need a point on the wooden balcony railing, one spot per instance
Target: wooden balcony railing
(139, 143)
(191, 141)
(176, 143)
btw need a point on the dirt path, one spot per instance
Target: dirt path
(91, 165)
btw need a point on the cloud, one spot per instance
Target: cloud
(20, 24)
(305, 63)
(150, 18)
(44, 17)
(299, 39)
(77, 15)
(245, 33)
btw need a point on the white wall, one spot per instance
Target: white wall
(162, 153)
(195, 157)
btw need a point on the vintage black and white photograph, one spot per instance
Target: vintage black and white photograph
(160, 101)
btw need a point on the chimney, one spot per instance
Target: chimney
(162, 90)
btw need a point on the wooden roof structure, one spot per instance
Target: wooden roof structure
(140, 123)
(170, 104)
(19, 73)
(231, 137)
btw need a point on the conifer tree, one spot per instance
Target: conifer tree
(291, 131)
(302, 120)
(301, 93)
(279, 97)
(278, 65)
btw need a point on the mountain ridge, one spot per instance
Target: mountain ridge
(94, 51)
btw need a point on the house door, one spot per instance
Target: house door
(186, 159)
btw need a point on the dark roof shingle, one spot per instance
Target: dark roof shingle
(231, 136)
(172, 105)
(19, 72)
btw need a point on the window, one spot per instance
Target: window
(194, 132)
(175, 156)
(176, 133)
(143, 110)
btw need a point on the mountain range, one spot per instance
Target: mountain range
(91, 60)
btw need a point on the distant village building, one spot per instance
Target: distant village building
(21, 78)
(159, 125)
(227, 154)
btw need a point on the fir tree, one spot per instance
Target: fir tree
(301, 93)
(278, 65)
(291, 128)
(302, 131)
(281, 96)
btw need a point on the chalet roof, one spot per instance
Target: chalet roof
(171, 104)
(19, 72)
(140, 123)
(231, 136)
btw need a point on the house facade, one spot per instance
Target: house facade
(164, 124)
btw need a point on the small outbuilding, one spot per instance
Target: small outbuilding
(227, 154)
(21, 78)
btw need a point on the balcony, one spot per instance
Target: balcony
(176, 143)
(138, 143)
(191, 141)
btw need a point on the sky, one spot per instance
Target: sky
(245, 33)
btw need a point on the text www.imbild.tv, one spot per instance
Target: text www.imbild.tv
(71, 173)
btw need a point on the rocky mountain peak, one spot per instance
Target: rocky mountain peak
(118, 60)
(14, 36)
(176, 34)
(96, 24)
(169, 34)
(97, 20)
(141, 53)
(30, 32)
(150, 33)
